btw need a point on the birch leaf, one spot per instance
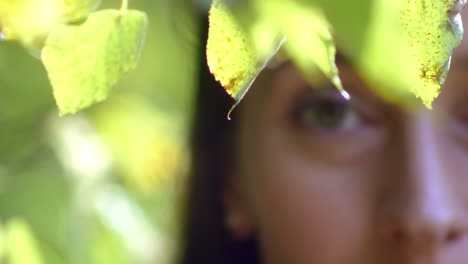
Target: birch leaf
(309, 41)
(76, 10)
(433, 29)
(230, 56)
(399, 47)
(85, 61)
(237, 52)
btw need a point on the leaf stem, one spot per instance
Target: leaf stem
(124, 7)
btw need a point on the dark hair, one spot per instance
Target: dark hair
(205, 238)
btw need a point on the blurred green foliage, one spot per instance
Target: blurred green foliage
(99, 186)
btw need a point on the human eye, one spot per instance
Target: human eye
(328, 111)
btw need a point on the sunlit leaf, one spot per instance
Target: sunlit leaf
(85, 61)
(3, 245)
(433, 29)
(406, 41)
(230, 56)
(30, 21)
(236, 45)
(76, 10)
(350, 21)
(22, 247)
(383, 59)
(309, 41)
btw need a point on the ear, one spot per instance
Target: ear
(238, 214)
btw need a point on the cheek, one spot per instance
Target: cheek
(307, 210)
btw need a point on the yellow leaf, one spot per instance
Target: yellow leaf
(230, 57)
(432, 35)
(85, 61)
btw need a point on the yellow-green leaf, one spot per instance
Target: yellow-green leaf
(76, 10)
(30, 21)
(230, 56)
(309, 41)
(85, 61)
(22, 246)
(433, 30)
(390, 70)
(3, 244)
(235, 49)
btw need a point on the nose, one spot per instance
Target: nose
(420, 212)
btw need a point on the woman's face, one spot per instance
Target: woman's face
(322, 180)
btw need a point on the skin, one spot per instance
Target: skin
(320, 180)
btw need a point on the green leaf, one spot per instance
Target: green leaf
(22, 246)
(30, 21)
(309, 41)
(85, 61)
(3, 243)
(238, 51)
(383, 58)
(417, 36)
(350, 20)
(433, 30)
(76, 10)
(406, 41)
(315, 27)
(230, 56)
(370, 35)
